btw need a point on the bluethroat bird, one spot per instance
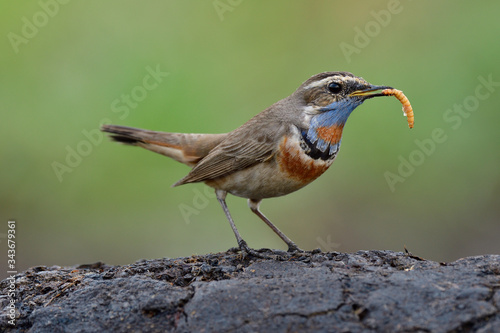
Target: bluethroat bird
(280, 150)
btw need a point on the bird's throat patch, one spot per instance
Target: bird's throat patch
(326, 145)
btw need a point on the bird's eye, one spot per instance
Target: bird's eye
(334, 88)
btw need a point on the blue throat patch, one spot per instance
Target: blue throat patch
(312, 150)
(335, 114)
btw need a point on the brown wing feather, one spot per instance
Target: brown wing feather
(241, 149)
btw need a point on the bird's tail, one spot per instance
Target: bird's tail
(185, 148)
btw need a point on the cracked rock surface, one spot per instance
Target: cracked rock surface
(367, 291)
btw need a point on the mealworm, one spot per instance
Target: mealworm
(407, 109)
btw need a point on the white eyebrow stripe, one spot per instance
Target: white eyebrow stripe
(319, 83)
(334, 78)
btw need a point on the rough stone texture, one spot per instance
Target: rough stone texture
(368, 291)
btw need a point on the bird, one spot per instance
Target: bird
(278, 151)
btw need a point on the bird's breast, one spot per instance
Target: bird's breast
(297, 163)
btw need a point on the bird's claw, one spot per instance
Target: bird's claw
(294, 248)
(246, 250)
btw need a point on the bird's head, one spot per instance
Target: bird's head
(327, 100)
(337, 92)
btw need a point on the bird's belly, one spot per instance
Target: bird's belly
(289, 170)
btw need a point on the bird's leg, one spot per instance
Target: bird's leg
(254, 206)
(221, 197)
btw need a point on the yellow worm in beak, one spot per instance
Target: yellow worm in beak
(407, 109)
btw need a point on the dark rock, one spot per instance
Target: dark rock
(368, 291)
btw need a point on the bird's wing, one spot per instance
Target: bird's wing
(244, 147)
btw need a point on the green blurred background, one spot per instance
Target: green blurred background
(65, 68)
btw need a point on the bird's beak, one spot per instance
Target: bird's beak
(371, 91)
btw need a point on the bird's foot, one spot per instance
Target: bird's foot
(246, 250)
(264, 253)
(293, 248)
